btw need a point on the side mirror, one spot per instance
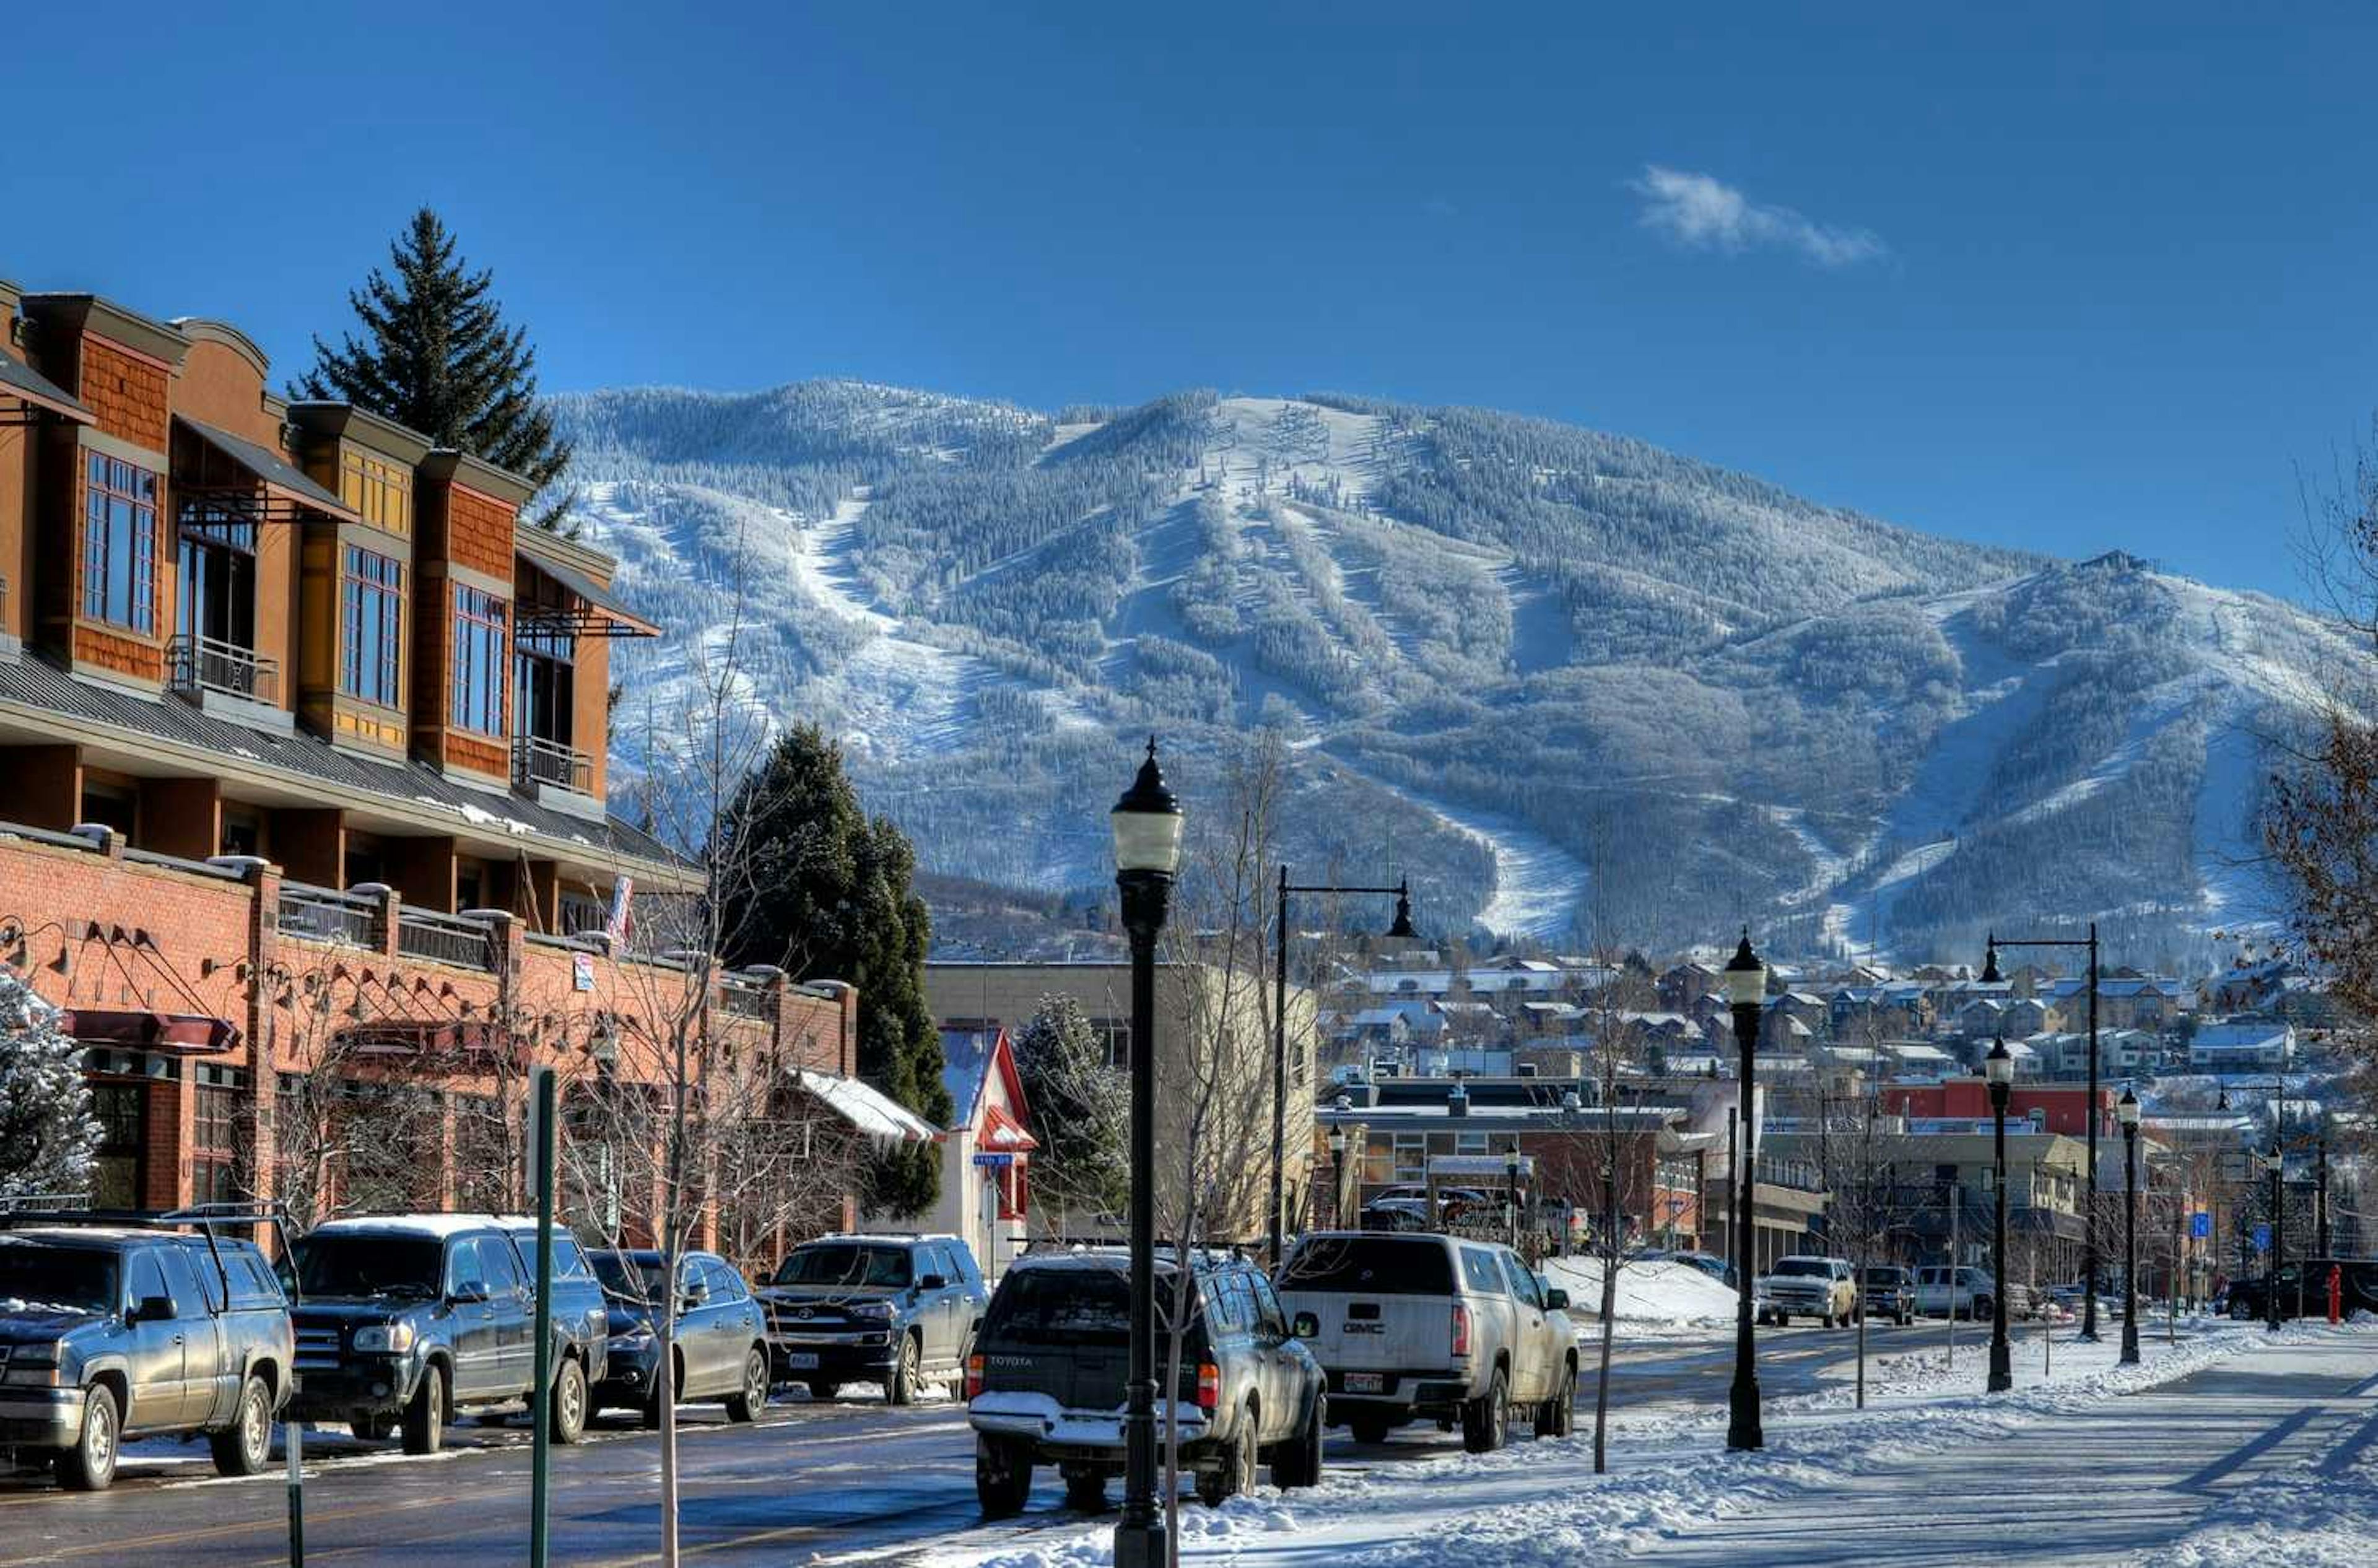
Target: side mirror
(1306, 1326)
(691, 1300)
(1556, 1300)
(932, 1282)
(151, 1309)
(468, 1293)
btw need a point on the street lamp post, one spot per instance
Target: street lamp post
(2276, 1161)
(2127, 1110)
(1337, 1170)
(1147, 823)
(1511, 1188)
(1999, 1068)
(1402, 929)
(1746, 989)
(2089, 1230)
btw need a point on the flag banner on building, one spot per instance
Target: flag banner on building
(621, 891)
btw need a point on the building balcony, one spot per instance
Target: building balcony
(227, 680)
(555, 775)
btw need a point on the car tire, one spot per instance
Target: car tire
(1236, 1473)
(566, 1409)
(1486, 1420)
(746, 1403)
(425, 1415)
(1557, 1417)
(89, 1465)
(1086, 1490)
(245, 1447)
(1368, 1428)
(1297, 1463)
(823, 1388)
(900, 1388)
(1002, 1475)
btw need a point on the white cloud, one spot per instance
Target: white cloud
(1703, 213)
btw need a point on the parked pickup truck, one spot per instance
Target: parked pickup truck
(136, 1329)
(1411, 1327)
(404, 1320)
(1967, 1292)
(1804, 1286)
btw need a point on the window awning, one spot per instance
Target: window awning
(1002, 1134)
(35, 394)
(875, 1115)
(275, 491)
(599, 612)
(135, 1029)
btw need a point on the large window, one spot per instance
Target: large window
(542, 683)
(119, 544)
(214, 1145)
(372, 596)
(380, 492)
(478, 661)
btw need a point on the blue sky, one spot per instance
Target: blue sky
(2062, 280)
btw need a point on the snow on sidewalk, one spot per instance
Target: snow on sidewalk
(1929, 1447)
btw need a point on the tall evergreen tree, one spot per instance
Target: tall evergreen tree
(825, 893)
(435, 354)
(48, 1137)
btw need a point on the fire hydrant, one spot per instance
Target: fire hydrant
(2335, 1293)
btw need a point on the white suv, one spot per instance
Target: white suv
(1822, 1288)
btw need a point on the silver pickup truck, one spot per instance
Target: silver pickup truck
(1420, 1327)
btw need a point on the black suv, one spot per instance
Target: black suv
(121, 1326)
(1045, 1384)
(406, 1319)
(2303, 1289)
(896, 1309)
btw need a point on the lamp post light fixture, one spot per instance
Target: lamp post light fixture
(1999, 1068)
(1147, 823)
(1401, 930)
(2128, 1110)
(2089, 1229)
(1745, 989)
(2276, 1162)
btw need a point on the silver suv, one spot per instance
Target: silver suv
(1442, 1327)
(1806, 1286)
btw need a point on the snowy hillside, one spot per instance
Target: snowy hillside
(1564, 679)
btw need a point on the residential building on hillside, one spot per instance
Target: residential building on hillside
(2244, 1045)
(305, 735)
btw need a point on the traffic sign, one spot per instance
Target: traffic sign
(2261, 1239)
(2200, 1225)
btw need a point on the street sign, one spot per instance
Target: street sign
(2261, 1239)
(2200, 1225)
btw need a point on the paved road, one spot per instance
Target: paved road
(811, 1480)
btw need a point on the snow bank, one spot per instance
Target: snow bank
(1665, 1292)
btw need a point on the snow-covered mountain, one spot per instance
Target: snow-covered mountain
(1567, 680)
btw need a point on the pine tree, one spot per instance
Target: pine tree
(1081, 1109)
(824, 892)
(48, 1137)
(437, 355)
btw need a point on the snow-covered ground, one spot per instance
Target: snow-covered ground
(1933, 1471)
(1659, 1292)
(1538, 885)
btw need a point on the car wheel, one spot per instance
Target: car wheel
(1558, 1416)
(901, 1387)
(245, 1447)
(1002, 1475)
(425, 1417)
(1486, 1420)
(1237, 1470)
(823, 1388)
(89, 1465)
(1297, 1463)
(1368, 1428)
(746, 1403)
(1086, 1490)
(566, 1403)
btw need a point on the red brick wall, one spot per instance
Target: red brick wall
(479, 533)
(127, 392)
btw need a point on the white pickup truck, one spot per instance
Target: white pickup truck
(1822, 1288)
(1965, 1292)
(1442, 1327)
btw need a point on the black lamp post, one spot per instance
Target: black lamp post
(1401, 930)
(2127, 1108)
(1999, 1068)
(1511, 1187)
(2089, 1230)
(2276, 1161)
(1147, 823)
(1746, 989)
(1338, 1168)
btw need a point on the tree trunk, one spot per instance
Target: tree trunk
(1611, 1252)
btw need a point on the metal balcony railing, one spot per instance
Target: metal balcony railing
(208, 663)
(322, 916)
(538, 760)
(445, 938)
(746, 999)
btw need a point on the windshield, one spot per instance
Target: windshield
(1371, 1265)
(627, 1278)
(1070, 1306)
(847, 1265)
(1885, 1277)
(369, 1266)
(81, 1279)
(1802, 1265)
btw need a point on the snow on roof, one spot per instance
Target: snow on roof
(440, 1226)
(873, 1113)
(965, 1060)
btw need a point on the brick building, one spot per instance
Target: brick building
(302, 733)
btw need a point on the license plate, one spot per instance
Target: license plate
(1365, 1382)
(801, 1360)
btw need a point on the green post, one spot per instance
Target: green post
(540, 1404)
